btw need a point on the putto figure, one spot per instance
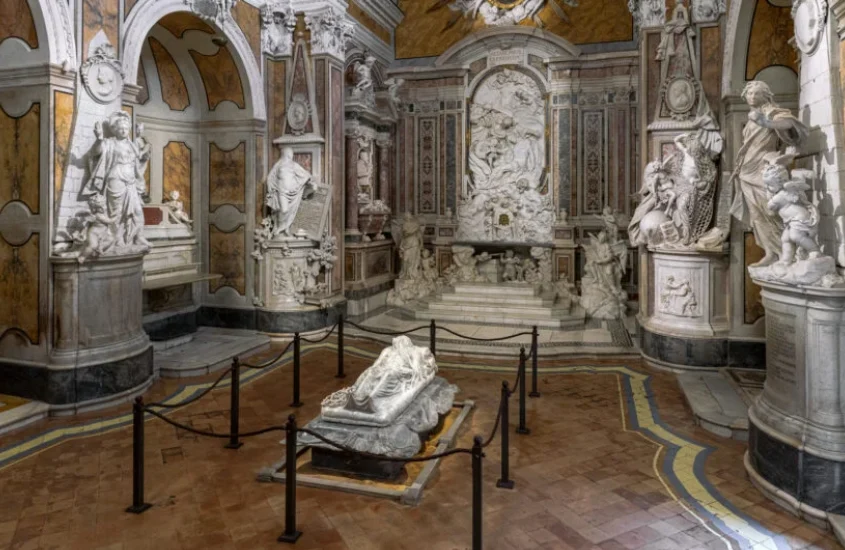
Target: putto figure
(800, 217)
(117, 170)
(287, 184)
(770, 129)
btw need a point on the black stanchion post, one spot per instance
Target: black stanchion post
(534, 349)
(138, 504)
(290, 535)
(432, 337)
(296, 358)
(234, 413)
(477, 455)
(521, 429)
(505, 482)
(340, 373)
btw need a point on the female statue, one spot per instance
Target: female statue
(287, 183)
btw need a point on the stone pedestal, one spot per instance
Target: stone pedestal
(100, 350)
(684, 319)
(796, 440)
(369, 275)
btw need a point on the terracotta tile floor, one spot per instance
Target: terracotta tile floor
(583, 480)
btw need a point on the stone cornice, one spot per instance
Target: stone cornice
(37, 75)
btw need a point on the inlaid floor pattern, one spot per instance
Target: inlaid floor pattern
(582, 480)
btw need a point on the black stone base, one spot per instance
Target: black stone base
(702, 352)
(69, 386)
(356, 465)
(298, 321)
(362, 293)
(812, 480)
(174, 326)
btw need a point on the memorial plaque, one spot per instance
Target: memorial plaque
(313, 213)
(780, 351)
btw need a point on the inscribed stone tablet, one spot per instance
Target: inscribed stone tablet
(313, 213)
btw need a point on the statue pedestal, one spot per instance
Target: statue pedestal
(684, 322)
(796, 437)
(369, 275)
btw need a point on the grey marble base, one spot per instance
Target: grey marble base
(672, 352)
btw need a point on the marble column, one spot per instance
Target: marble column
(383, 146)
(352, 181)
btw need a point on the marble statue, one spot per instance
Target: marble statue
(677, 197)
(393, 84)
(497, 13)
(364, 90)
(365, 175)
(565, 293)
(504, 196)
(418, 272)
(391, 407)
(602, 296)
(509, 264)
(611, 224)
(175, 210)
(678, 298)
(410, 246)
(770, 129)
(277, 25)
(117, 167)
(287, 184)
(801, 261)
(99, 235)
(464, 268)
(320, 260)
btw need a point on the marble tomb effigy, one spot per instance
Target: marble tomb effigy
(391, 410)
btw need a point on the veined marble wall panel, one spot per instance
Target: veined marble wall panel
(176, 172)
(99, 15)
(335, 158)
(452, 166)
(621, 146)
(174, 92)
(227, 257)
(249, 20)
(227, 176)
(63, 107)
(19, 288)
(180, 22)
(357, 13)
(752, 292)
(711, 66)
(144, 94)
(768, 44)
(563, 159)
(652, 40)
(16, 21)
(299, 83)
(573, 154)
(260, 182)
(127, 6)
(221, 78)
(320, 94)
(427, 164)
(20, 146)
(593, 155)
(276, 106)
(423, 32)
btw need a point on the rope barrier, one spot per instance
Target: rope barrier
(495, 424)
(329, 333)
(193, 399)
(350, 450)
(386, 332)
(484, 339)
(517, 381)
(270, 362)
(212, 434)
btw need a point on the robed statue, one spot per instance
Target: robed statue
(287, 184)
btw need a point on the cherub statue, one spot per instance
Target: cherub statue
(175, 211)
(608, 217)
(800, 216)
(509, 264)
(100, 235)
(429, 267)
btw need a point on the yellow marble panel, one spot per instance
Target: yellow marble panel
(227, 258)
(180, 22)
(357, 13)
(227, 176)
(99, 15)
(771, 30)
(20, 147)
(176, 172)
(424, 33)
(63, 108)
(128, 5)
(174, 92)
(248, 19)
(753, 301)
(16, 21)
(276, 86)
(220, 77)
(19, 280)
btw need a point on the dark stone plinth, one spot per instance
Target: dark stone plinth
(173, 326)
(707, 353)
(356, 465)
(812, 480)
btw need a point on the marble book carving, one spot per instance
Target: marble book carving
(392, 406)
(503, 199)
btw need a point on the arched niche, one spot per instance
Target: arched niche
(53, 27)
(532, 40)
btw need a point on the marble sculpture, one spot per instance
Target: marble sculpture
(417, 274)
(602, 296)
(287, 184)
(392, 406)
(278, 21)
(499, 13)
(175, 210)
(768, 127)
(364, 91)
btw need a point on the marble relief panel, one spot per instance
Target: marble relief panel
(751, 291)
(99, 15)
(176, 172)
(63, 108)
(276, 86)
(19, 288)
(180, 22)
(768, 44)
(227, 257)
(248, 19)
(378, 263)
(427, 174)
(220, 77)
(174, 92)
(593, 155)
(16, 21)
(20, 148)
(335, 157)
(227, 176)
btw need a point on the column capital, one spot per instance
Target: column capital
(330, 29)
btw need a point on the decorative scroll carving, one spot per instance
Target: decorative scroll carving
(329, 32)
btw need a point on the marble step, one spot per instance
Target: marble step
(492, 308)
(717, 405)
(576, 318)
(506, 299)
(496, 289)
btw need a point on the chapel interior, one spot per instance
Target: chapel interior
(422, 274)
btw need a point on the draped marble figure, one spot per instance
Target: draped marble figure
(770, 129)
(117, 175)
(287, 183)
